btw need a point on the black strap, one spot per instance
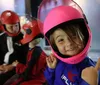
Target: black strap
(35, 57)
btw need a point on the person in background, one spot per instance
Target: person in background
(33, 72)
(69, 37)
(1, 33)
(1, 27)
(9, 46)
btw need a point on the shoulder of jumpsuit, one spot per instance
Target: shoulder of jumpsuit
(87, 62)
(3, 34)
(3, 38)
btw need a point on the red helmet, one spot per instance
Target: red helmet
(32, 31)
(10, 17)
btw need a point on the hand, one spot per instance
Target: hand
(51, 61)
(7, 68)
(1, 67)
(90, 74)
(15, 63)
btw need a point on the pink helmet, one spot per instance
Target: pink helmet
(55, 12)
(47, 5)
(59, 15)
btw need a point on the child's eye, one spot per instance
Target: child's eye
(60, 40)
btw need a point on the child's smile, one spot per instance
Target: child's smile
(66, 45)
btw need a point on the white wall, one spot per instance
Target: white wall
(6, 5)
(15, 5)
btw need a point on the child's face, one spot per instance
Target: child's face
(66, 45)
(33, 43)
(12, 28)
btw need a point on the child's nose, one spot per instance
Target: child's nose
(68, 46)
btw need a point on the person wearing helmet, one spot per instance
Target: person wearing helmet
(11, 22)
(8, 46)
(1, 33)
(69, 37)
(33, 72)
(1, 28)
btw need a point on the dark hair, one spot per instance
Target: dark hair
(74, 31)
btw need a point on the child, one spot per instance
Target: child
(69, 37)
(9, 50)
(32, 72)
(1, 28)
(1, 33)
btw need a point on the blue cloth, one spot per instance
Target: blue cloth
(67, 74)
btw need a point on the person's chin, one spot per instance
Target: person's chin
(72, 53)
